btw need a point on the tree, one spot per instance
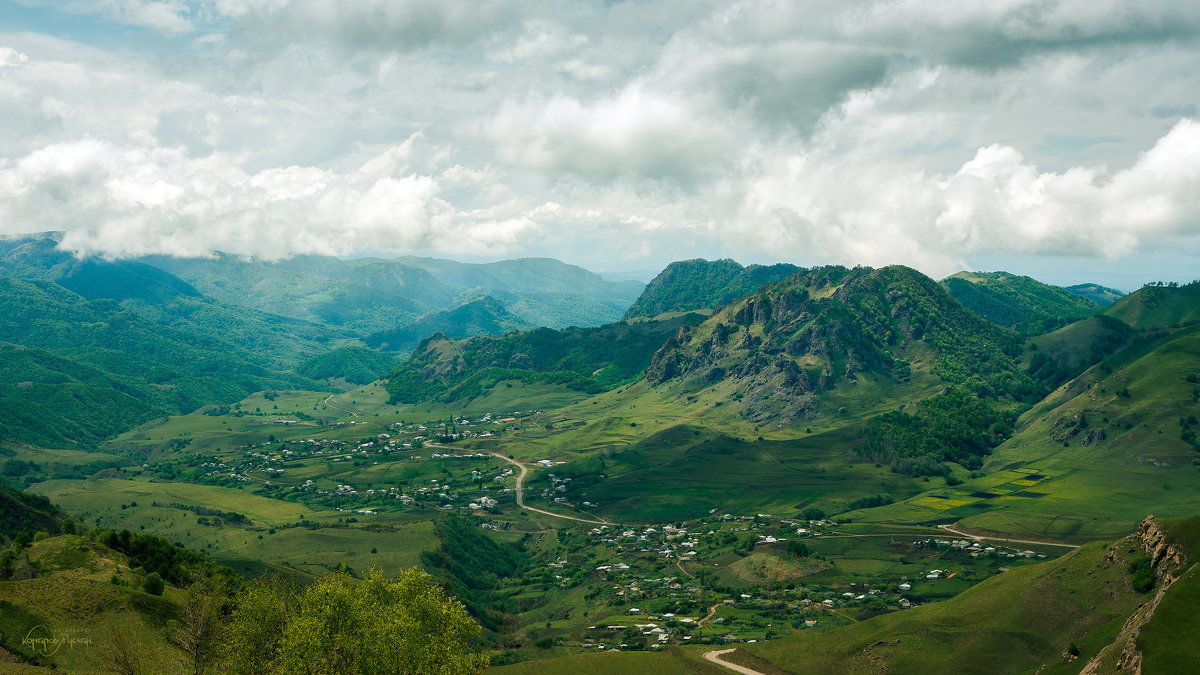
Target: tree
(153, 584)
(256, 626)
(403, 625)
(198, 630)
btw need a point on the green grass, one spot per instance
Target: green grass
(1021, 619)
(1167, 640)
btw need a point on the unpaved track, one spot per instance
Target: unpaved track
(521, 494)
(715, 657)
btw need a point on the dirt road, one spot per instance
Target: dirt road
(521, 494)
(977, 537)
(715, 657)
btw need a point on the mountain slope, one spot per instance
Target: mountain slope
(1021, 303)
(699, 284)
(786, 346)
(584, 359)
(1117, 441)
(481, 316)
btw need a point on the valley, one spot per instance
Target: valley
(854, 466)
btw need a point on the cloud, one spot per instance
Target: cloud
(997, 201)
(388, 25)
(122, 201)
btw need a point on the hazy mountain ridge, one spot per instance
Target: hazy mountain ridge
(703, 284)
(373, 295)
(1101, 295)
(481, 316)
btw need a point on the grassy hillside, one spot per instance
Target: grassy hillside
(589, 360)
(698, 284)
(1021, 303)
(481, 316)
(1154, 306)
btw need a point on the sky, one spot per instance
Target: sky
(1059, 139)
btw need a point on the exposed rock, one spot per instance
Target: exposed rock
(1167, 562)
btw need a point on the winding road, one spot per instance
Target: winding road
(329, 402)
(521, 494)
(715, 657)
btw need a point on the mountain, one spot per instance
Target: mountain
(1115, 438)
(481, 316)
(588, 360)
(372, 295)
(1101, 295)
(139, 344)
(1021, 303)
(891, 329)
(701, 284)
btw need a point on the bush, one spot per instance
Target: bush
(153, 584)
(1141, 574)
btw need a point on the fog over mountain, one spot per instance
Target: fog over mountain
(616, 136)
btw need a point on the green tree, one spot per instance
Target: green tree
(403, 625)
(153, 584)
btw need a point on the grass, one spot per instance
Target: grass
(1167, 640)
(1022, 618)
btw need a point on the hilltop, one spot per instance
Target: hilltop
(703, 284)
(1019, 302)
(892, 328)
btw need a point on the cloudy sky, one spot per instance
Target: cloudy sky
(1054, 138)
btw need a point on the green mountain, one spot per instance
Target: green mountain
(1159, 306)
(371, 295)
(1101, 295)
(1113, 441)
(1021, 303)
(352, 364)
(140, 344)
(588, 360)
(892, 331)
(481, 316)
(701, 284)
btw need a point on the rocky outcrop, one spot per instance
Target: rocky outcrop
(1168, 564)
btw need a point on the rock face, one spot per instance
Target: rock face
(1168, 562)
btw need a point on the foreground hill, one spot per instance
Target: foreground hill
(481, 316)
(703, 284)
(1021, 303)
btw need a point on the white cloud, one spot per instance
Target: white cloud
(916, 131)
